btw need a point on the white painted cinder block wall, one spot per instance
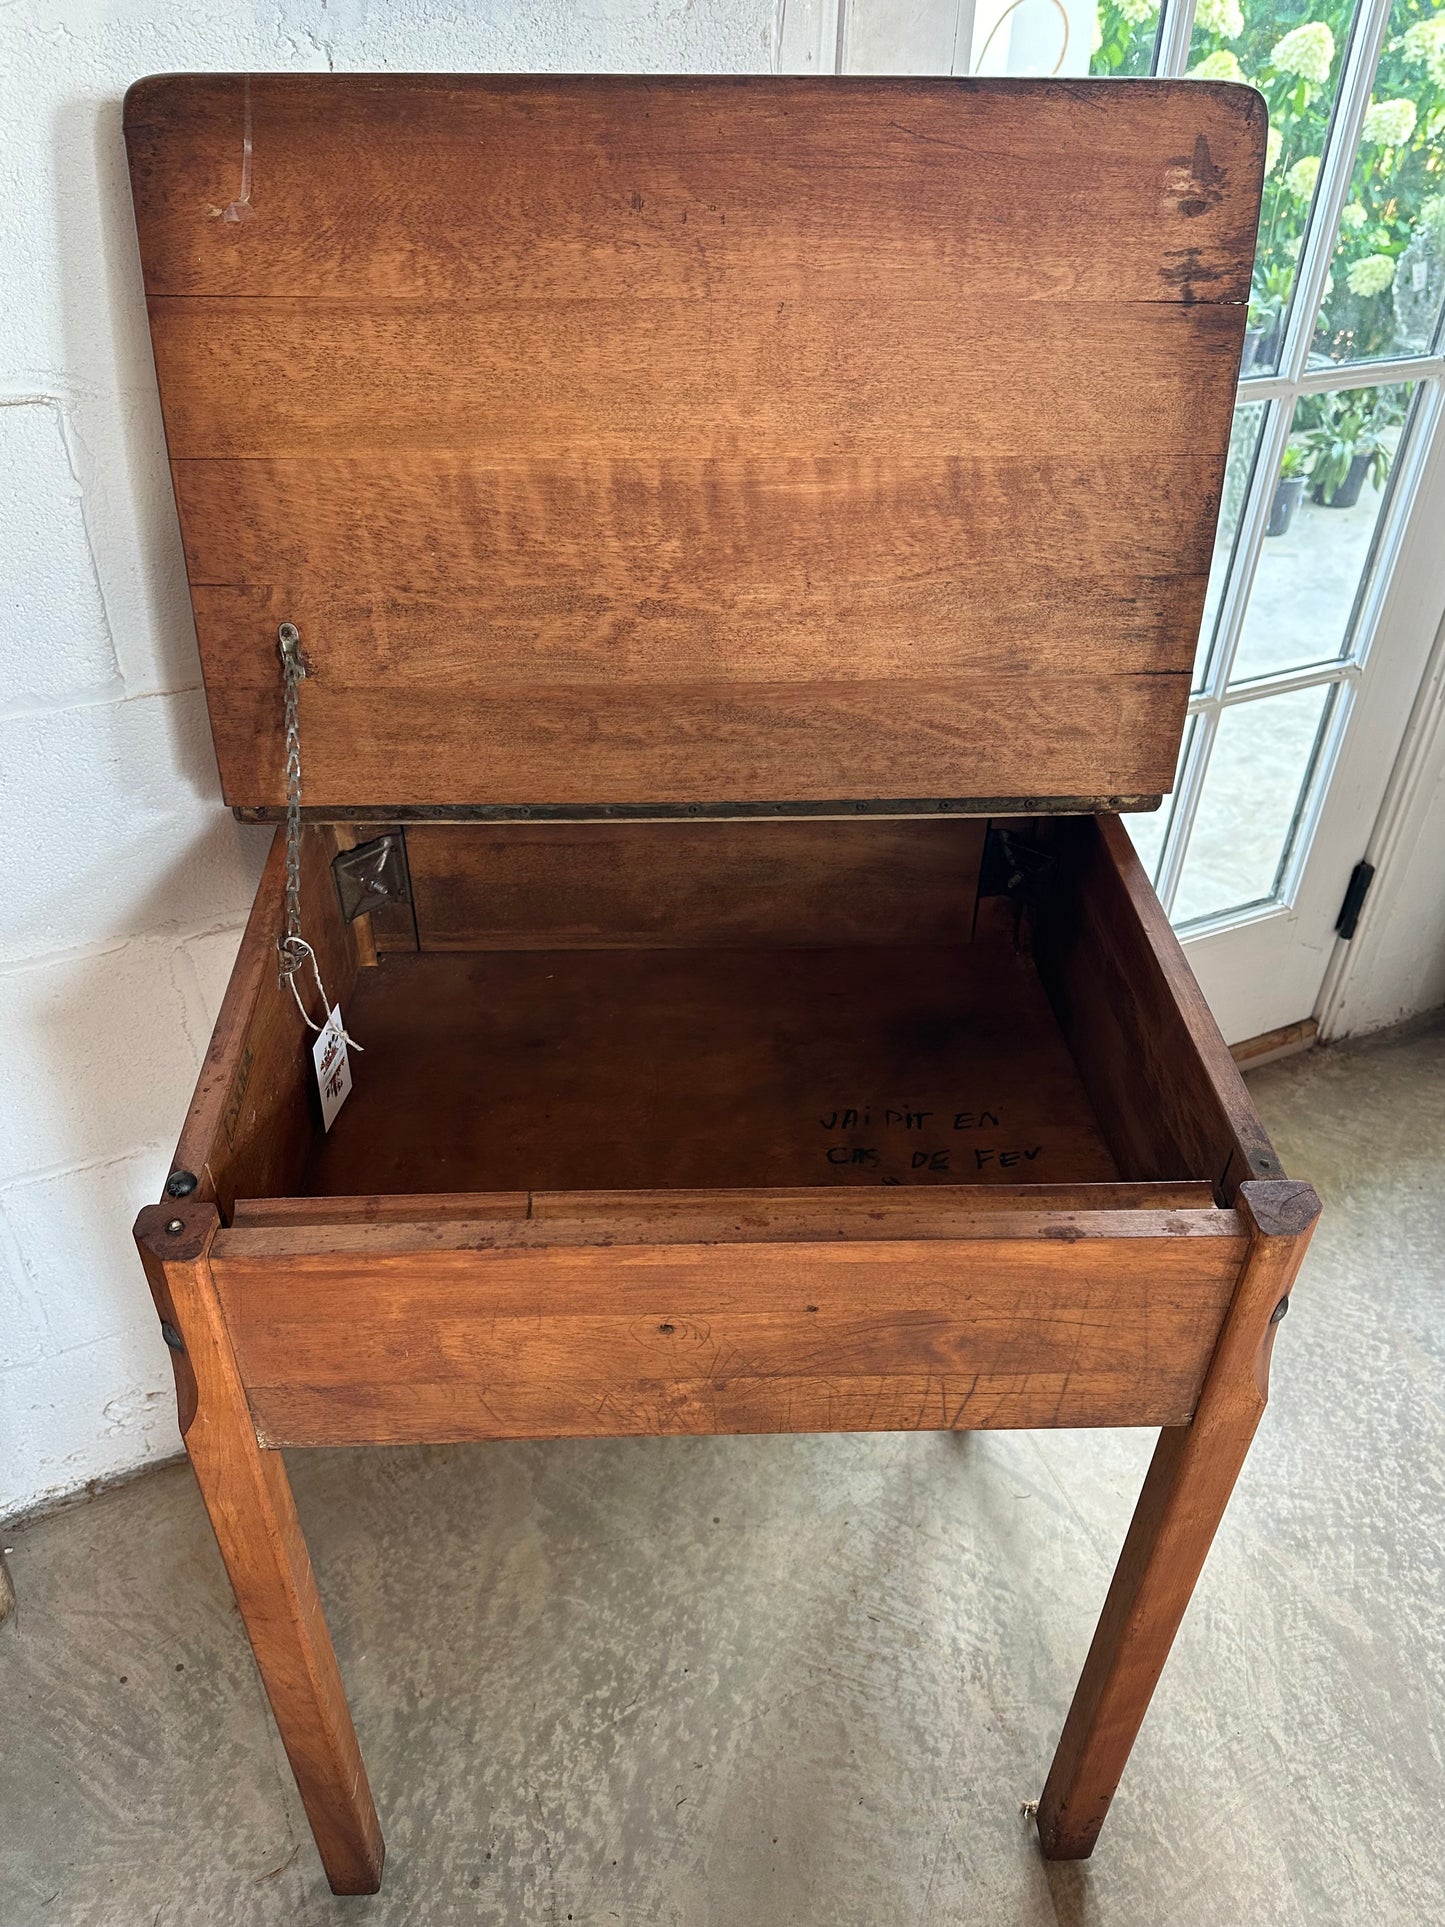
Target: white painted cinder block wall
(123, 882)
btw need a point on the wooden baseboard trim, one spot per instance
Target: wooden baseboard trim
(1288, 1041)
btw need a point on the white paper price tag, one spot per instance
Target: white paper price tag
(333, 1069)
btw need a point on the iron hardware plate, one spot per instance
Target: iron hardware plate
(371, 875)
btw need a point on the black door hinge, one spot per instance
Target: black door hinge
(1356, 890)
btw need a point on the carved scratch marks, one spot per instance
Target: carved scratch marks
(942, 1334)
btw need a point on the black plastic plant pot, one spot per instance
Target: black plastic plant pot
(1260, 348)
(1287, 495)
(1348, 492)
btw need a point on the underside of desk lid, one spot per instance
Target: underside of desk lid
(697, 442)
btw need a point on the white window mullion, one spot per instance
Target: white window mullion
(1189, 789)
(962, 58)
(1248, 541)
(1332, 189)
(1284, 683)
(810, 36)
(1316, 784)
(1176, 30)
(1424, 425)
(1331, 376)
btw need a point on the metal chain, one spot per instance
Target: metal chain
(291, 946)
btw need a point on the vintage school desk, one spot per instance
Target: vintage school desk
(733, 546)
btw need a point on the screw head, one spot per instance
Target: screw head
(175, 1226)
(180, 1184)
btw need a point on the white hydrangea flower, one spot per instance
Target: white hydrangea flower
(1390, 122)
(1273, 142)
(1222, 65)
(1136, 12)
(1424, 45)
(1372, 275)
(1353, 217)
(1220, 16)
(1307, 51)
(1300, 179)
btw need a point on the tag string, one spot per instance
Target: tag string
(295, 951)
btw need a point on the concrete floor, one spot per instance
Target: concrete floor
(759, 1682)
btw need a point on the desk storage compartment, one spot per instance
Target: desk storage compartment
(787, 1126)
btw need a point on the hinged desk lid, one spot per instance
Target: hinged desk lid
(623, 441)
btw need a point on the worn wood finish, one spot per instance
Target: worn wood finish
(711, 1306)
(684, 886)
(587, 532)
(1102, 1319)
(249, 1501)
(254, 1113)
(619, 1069)
(644, 382)
(1166, 1091)
(1188, 1486)
(624, 440)
(668, 1215)
(759, 168)
(702, 742)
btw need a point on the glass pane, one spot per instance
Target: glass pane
(1257, 781)
(1323, 518)
(883, 38)
(1292, 50)
(1047, 37)
(1243, 448)
(1124, 36)
(1387, 279)
(1149, 828)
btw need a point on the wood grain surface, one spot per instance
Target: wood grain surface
(627, 441)
(658, 1068)
(682, 885)
(248, 1498)
(1167, 1093)
(662, 1217)
(1190, 1480)
(1024, 1319)
(255, 1113)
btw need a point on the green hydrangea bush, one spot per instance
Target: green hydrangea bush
(1388, 274)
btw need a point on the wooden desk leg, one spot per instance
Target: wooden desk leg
(248, 1496)
(1187, 1488)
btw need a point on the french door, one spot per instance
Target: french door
(1328, 581)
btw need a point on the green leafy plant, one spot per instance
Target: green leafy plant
(1125, 32)
(1342, 429)
(1292, 50)
(1269, 295)
(1294, 462)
